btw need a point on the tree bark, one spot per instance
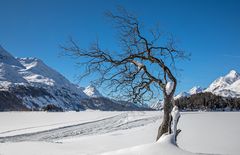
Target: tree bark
(166, 124)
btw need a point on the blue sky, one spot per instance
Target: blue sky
(208, 29)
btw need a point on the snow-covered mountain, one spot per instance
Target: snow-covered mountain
(182, 94)
(36, 84)
(28, 83)
(194, 90)
(91, 91)
(226, 86)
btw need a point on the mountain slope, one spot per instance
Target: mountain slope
(8, 59)
(28, 83)
(226, 86)
(36, 85)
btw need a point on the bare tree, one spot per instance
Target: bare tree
(141, 70)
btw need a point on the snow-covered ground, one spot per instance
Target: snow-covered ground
(129, 133)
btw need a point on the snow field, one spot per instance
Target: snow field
(116, 133)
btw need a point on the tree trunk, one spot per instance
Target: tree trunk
(165, 127)
(175, 115)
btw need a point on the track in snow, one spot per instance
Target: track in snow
(106, 125)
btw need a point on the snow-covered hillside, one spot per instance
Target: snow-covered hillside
(30, 84)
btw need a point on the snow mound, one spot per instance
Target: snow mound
(164, 146)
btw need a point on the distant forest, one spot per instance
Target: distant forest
(208, 102)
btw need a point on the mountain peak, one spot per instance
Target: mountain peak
(231, 77)
(182, 94)
(232, 74)
(195, 90)
(92, 91)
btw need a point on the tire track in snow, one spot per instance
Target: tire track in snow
(106, 125)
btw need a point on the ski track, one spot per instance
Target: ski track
(33, 127)
(106, 125)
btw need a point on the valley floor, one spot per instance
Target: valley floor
(95, 132)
